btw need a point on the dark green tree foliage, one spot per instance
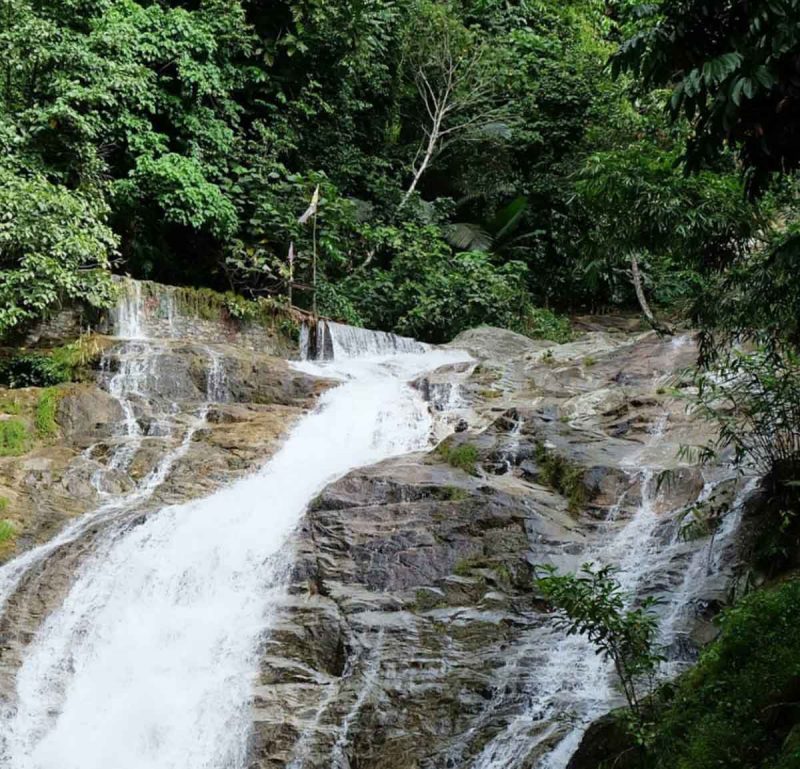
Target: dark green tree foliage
(733, 69)
(198, 132)
(636, 199)
(739, 707)
(53, 245)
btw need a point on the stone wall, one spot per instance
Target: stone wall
(63, 325)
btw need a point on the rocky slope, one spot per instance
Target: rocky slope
(410, 635)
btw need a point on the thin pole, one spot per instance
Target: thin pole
(314, 265)
(291, 271)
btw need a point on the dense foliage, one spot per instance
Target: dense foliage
(454, 143)
(733, 69)
(739, 706)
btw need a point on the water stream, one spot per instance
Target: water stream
(148, 662)
(575, 686)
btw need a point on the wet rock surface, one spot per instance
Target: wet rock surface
(411, 635)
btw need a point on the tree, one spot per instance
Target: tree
(733, 70)
(454, 79)
(54, 246)
(592, 603)
(636, 204)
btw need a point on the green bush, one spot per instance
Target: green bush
(431, 293)
(32, 370)
(10, 407)
(739, 706)
(8, 532)
(562, 476)
(541, 323)
(463, 456)
(13, 438)
(54, 244)
(69, 363)
(592, 603)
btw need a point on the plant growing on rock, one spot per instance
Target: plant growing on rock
(592, 603)
(463, 456)
(562, 476)
(13, 438)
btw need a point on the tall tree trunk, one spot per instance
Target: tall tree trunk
(648, 313)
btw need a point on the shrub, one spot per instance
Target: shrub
(32, 370)
(54, 244)
(13, 438)
(592, 603)
(463, 456)
(562, 476)
(8, 533)
(754, 397)
(68, 363)
(429, 292)
(541, 323)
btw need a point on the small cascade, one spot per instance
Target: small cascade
(574, 686)
(128, 316)
(369, 682)
(216, 379)
(132, 373)
(327, 340)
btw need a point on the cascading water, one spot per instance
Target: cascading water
(329, 340)
(137, 378)
(148, 663)
(574, 686)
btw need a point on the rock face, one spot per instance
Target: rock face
(409, 635)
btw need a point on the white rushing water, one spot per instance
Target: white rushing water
(149, 661)
(337, 341)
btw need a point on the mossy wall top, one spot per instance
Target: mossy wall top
(200, 315)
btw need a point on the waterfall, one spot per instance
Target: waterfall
(327, 340)
(137, 378)
(149, 660)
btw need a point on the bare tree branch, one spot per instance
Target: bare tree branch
(460, 98)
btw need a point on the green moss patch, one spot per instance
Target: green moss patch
(464, 456)
(14, 438)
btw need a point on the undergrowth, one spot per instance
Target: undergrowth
(464, 456)
(8, 536)
(45, 415)
(71, 362)
(739, 706)
(541, 323)
(562, 476)
(14, 439)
